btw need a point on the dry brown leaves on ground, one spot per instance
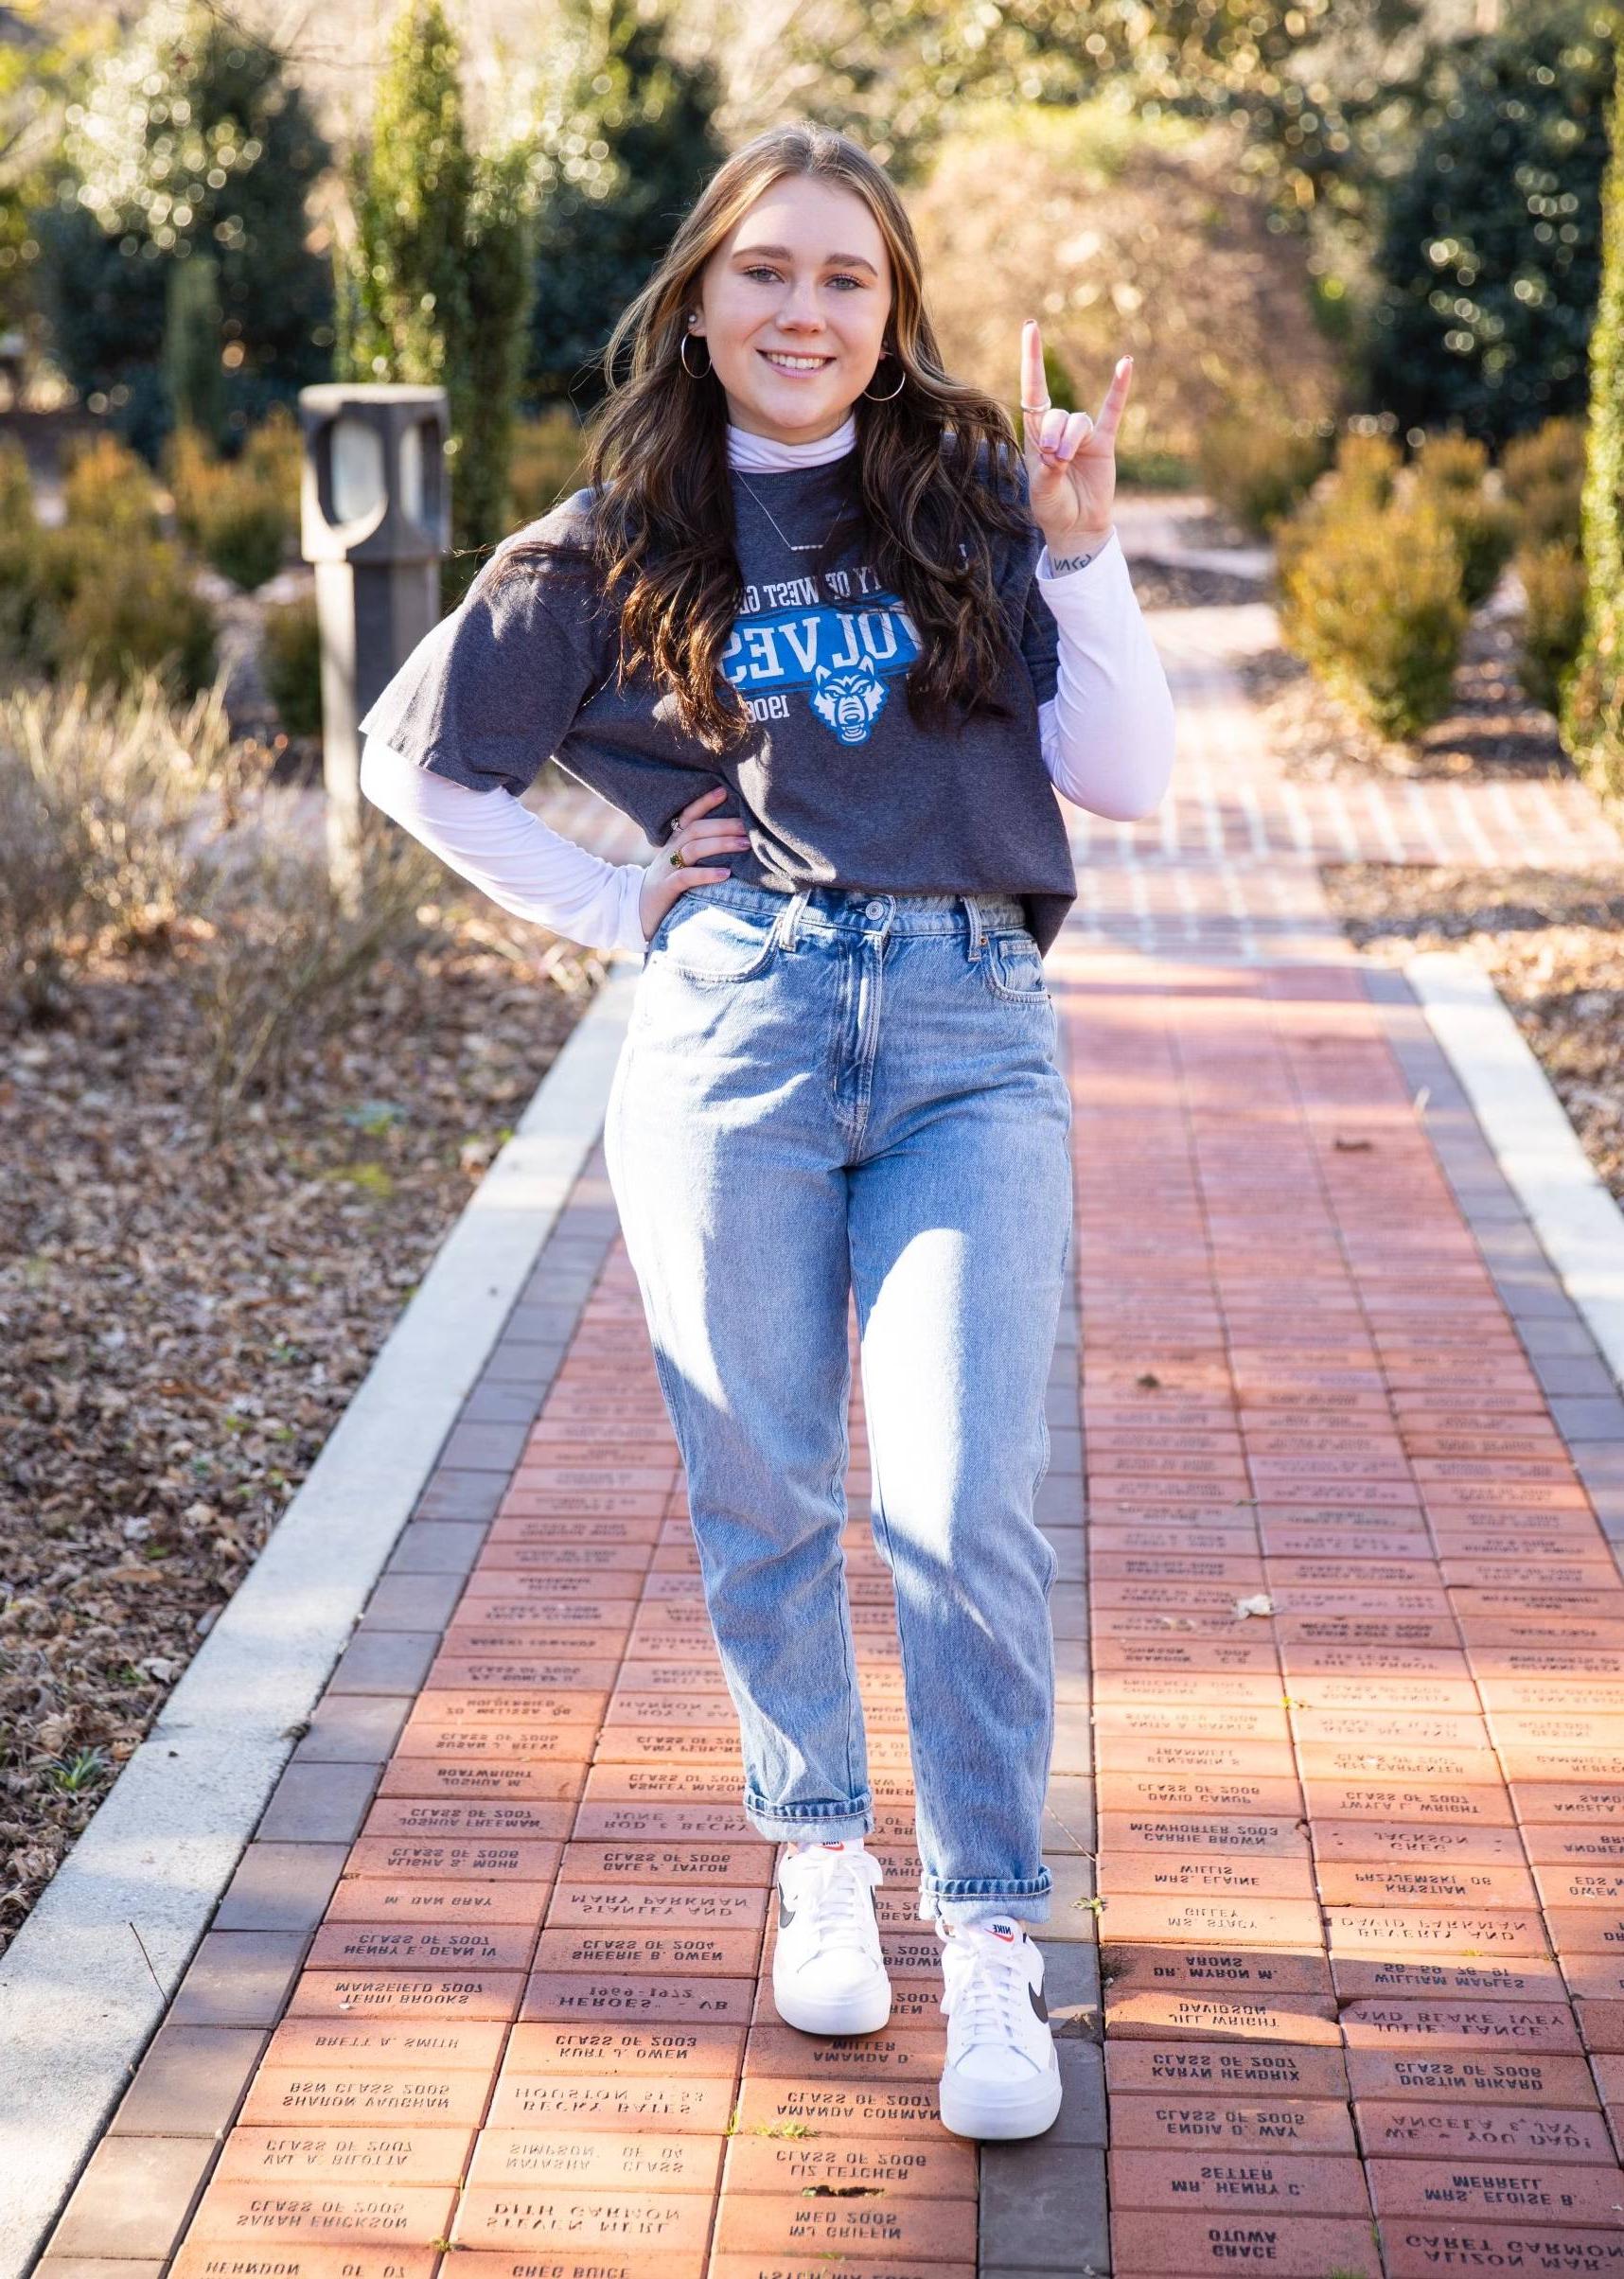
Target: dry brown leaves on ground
(180, 1329)
(1180, 586)
(1549, 941)
(1491, 729)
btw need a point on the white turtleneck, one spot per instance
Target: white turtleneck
(1107, 737)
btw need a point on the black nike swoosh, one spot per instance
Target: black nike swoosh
(785, 1915)
(1039, 2008)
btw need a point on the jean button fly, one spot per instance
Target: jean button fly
(875, 910)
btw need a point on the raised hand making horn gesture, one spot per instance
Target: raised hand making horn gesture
(1070, 459)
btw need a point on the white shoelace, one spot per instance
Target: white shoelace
(828, 1888)
(980, 1993)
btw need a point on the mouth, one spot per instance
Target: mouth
(794, 366)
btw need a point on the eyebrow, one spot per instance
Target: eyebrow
(783, 253)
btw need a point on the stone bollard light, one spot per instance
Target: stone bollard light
(375, 519)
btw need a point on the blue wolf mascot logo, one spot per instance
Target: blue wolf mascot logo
(849, 702)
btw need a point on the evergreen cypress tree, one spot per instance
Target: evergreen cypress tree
(624, 146)
(501, 274)
(435, 288)
(192, 343)
(1593, 713)
(404, 315)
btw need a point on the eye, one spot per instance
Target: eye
(760, 268)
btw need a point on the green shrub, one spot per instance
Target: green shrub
(292, 664)
(1149, 467)
(1452, 469)
(275, 452)
(1543, 473)
(1367, 463)
(41, 571)
(1553, 578)
(546, 463)
(1371, 600)
(135, 611)
(107, 614)
(245, 536)
(108, 491)
(1259, 469)
(16, 487)
(1593, 692)
(237, 513)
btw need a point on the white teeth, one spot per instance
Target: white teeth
(796, 363)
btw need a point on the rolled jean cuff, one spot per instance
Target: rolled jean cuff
(831, 1823)
(977, 1899)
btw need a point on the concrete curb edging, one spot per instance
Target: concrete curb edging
(88, 1978)
(1579, 1225)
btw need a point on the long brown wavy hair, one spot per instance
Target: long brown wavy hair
(935, 474)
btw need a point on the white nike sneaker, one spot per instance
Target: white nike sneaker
(828, 1972)
(1002, 2077)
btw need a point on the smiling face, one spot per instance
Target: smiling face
(793, 309)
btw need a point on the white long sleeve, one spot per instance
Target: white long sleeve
(1108, 730)
(495, 844)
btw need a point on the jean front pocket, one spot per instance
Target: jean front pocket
(706, 940)
(1012, 966)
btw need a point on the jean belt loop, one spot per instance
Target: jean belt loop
(789, 919)
(973, 912)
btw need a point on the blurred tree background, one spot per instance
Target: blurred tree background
(189, 141)
(1306, 218)
(1404, 193)
(626, 139)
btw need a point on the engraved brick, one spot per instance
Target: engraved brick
(1211, 2182)
(1498, 2190)
(1438, 2132)
(543, 2102)
(1296, 2247)
(763, 2222)
(348, 2155)
(350, 2216)
(672, 2224)
(597, 2160)
(561, 1997)
(686, 2051)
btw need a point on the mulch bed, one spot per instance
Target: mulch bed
(1178, 586)
(1550, 941)
(1490, 728)
(181, 1326)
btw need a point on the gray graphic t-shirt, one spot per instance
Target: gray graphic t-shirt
(837, 787)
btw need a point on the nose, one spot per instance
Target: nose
(799, 311)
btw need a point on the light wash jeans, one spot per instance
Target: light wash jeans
(831, 1091)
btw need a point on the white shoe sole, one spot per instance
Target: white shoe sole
(858, 2010)
(992, 2109)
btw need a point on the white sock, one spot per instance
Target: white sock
(817, 1842)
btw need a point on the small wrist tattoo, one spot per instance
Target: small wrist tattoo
(1074, 561)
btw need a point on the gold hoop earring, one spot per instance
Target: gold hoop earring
(683, 358)
(896, 392)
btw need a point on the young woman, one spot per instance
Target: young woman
(823, 632)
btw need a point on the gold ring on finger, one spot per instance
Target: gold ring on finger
(677, 858)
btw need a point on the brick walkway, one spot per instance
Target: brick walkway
(494, 1970)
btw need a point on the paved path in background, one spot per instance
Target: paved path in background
(1341, 1642)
